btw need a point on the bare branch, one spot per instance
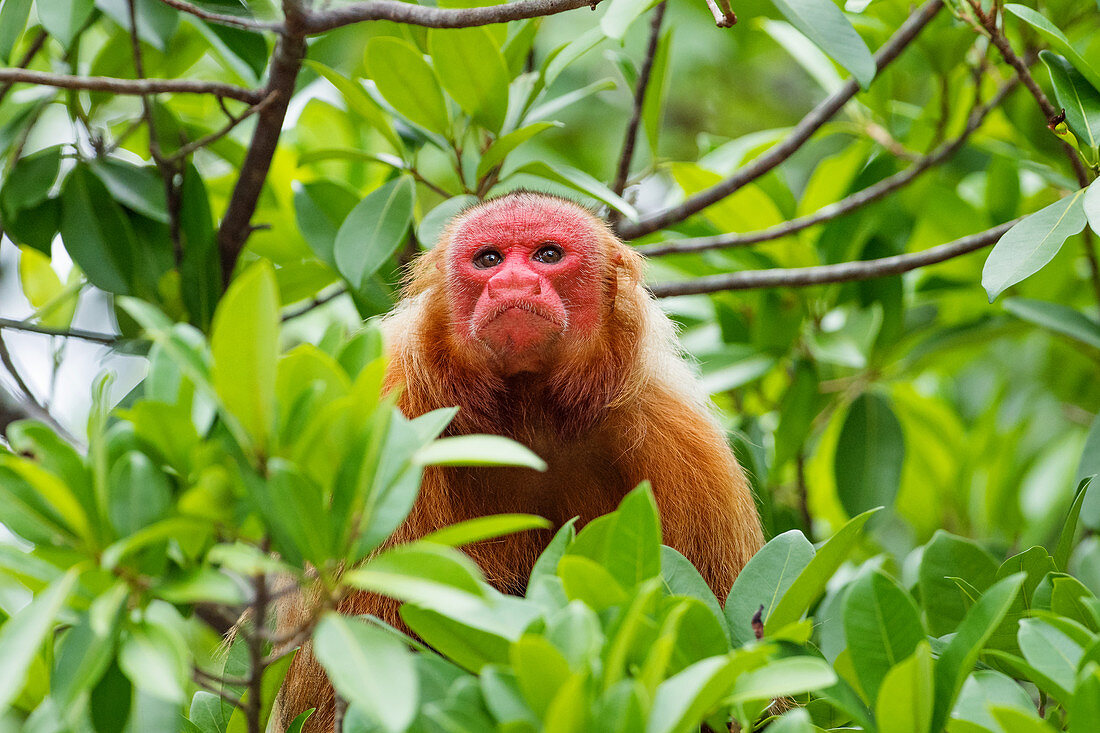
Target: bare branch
(136, 87)
(724, 17)
(33, 407)
(809, 124)
(639, 101)
(315, 303)
(234, 120)
(845, 205)
(100, 338)
(200, 678)
(799, 277)
(433, 17)
(223, 19)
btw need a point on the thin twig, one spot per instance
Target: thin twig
(317, 302)
(100, 338)
(222, 18)
(34, 407)
(319, 21)
(137, 87)
(844, 206)
(32, 51)
(234, 120)
(639, 101)
(198, 677)
(724, 17)
(254, 709)
(799, 277)
(809, 124)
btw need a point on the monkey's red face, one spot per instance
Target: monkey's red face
(523, 274)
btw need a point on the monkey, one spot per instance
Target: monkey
(532, 317)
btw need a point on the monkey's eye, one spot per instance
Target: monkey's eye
(549, 254)
(488, 258)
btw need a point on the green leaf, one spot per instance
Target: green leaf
(471, 647)
(1084, 709)
(578, 180)
(823, 23)
(547, 563)
(1056, 39)
(905, 699)
(156, 22)
(54, 304)
(13, 19)
(1058, 318)
(1077, 97)
(540, 671)
(369, 668)
(507, 143)
(137, 188)
(764, 580)
(1032, 243)
(200, 271)
(139, 495)
(473, 71)
(245, 347)
(1069, 528)
(869, 455)
(782, 678)
(683, 701)
(423, 573)
(63, 19)
(810, 583)
(588, 581)
(948, 556)
(23, 634)
(431, 227)
(620, 14)
(407, 82)
(29, 181)
(962, 651)
(882, 626)
(98, 236)
(321, 207)
(485, 528)
(683, 579)
(1050, 652)
(1092, 206)
(359, 102)
(478, 450)
(294, 510)
(626, 542)
(155, 659)
(374, 230)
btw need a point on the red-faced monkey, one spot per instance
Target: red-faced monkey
(531, 317)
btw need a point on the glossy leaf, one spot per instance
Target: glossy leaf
(1058, 41)
(24, 632)
(472, 70)
(869, 455)
(373, 230)
(764, 580)
(905, 699)
(883, 628)
(478, 450)
(1058, 318)
(408, 82)
(1077, 97)
(824, 24)
(1032, 243)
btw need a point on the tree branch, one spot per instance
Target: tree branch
(845, 205)
(639, 101)
(317, 302)
(234, 120)
(35, 47)
(223, 19)
(433, 17)
(724, 17)
(282, 75)
(100, 338)
(799, 277)
(809, 124)
(137, 87)
(31, 406)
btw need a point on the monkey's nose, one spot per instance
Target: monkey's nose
(514, 282)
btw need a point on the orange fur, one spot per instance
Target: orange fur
(611, 410)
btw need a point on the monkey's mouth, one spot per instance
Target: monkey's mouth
(520, 325)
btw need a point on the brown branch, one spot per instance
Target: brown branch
(137, 87)
(844, 206)
(24, 62)
(100, 338)
(433, 17)
(234, 120)
(315, 303)
(631, 136)
(724, 17)
(223, 19)
(30, 403)
(282, 75)
(802, 132)
(254, 708)
(200, 678)
(799, 277)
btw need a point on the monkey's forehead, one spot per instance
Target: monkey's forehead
(526, 218)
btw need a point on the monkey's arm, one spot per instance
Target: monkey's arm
(706, 507)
